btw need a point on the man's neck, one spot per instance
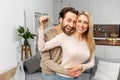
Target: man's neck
(58, 28)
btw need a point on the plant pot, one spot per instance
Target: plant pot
(26, 42)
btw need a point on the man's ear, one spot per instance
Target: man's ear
(60, 20)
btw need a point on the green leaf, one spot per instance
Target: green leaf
(26, 34)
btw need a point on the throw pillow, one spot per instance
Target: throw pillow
(107, 71)
(32, 64)
(115, 61)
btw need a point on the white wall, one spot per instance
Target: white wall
(11, 16)
(80, 5)
(57, 6)
(107, 13)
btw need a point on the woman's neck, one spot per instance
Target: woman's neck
(78, 36)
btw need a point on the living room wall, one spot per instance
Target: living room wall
(11, 16)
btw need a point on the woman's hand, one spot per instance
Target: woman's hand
(75, 70)
(43, 20)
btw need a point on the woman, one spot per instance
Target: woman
(77, 48)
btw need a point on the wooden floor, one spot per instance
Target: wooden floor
(7, 75)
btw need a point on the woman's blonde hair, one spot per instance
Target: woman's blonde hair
(89, 33)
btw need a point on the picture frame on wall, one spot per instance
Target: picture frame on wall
(32, 22)
(37, 24)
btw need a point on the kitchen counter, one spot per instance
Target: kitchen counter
(107, 42)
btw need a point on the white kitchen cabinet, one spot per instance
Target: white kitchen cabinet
(105, 51)
(112, 52)
(114, 11)
(99, 51)
(100, 11)
(105, 11)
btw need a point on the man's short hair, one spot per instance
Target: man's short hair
(67, 9)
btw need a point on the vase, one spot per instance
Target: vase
(26, 42)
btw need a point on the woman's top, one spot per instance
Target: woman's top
(74, 52)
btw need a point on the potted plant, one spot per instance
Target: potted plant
(25, 34)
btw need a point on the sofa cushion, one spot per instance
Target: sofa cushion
(35, 76)
(96, 63)
(32, 64)
(107, 71)
(88, 71)
(85, 76)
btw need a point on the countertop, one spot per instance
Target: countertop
(107, 42)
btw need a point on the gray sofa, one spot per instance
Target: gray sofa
(33, 71)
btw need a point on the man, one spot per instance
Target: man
(52, 58)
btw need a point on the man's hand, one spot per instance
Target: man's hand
(75, 70)
(43, 20)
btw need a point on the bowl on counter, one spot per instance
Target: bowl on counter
(114, 35)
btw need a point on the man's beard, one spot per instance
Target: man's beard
(67, 32)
